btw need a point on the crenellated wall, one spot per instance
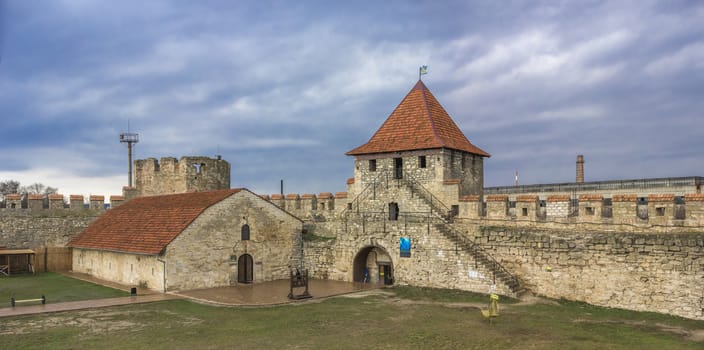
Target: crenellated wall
(39, 202)
(25, 228)
(622, 212)
(644, 272)
(321, 207)
(631, 251)
(660, 213)
(32, 221)
(170, 175)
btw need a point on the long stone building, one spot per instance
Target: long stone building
(190, 241)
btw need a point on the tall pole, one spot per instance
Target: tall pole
(129, 138)
(129, 160)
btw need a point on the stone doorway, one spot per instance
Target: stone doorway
(245, 269)
(373, 265)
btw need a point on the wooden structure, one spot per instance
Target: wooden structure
(16, 260)
(299, 280)
(14, 301)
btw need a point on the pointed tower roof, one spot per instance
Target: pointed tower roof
(419, 122)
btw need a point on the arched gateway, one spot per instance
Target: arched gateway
(373, 264)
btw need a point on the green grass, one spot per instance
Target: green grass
(377, 321)
(446, 295)
(56, 288)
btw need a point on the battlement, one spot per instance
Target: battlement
(170, 175)
(651, 211)
(74, 202)
(310, 206)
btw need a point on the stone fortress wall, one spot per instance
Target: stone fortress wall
(626, 249)
(16, 202)
(658, 272)
(635, 247)
(170, 175)
(618, 212)
(35, 221)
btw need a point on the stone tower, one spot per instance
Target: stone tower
(420, 141)
(170, 175)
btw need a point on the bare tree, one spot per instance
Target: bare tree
(9, 186)
(38, 188)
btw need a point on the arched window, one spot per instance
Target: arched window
(393, 211)
(245, 232)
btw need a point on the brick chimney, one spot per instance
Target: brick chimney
(580, 169)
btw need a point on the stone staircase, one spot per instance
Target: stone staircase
(498, 271)
(375, 195)
(462, 240)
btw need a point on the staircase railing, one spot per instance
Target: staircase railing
(496, 267)
(446, 215)
(362, 195)
(434, 202)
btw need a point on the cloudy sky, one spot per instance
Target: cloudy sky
(283, 89)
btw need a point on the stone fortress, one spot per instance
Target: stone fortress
(416, 212)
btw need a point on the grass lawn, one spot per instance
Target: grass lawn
(415, 318)
(56, 288)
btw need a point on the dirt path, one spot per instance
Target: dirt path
(83, 304)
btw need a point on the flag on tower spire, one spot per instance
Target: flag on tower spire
(422, 70)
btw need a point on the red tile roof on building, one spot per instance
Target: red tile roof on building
(419, 122)
(146, 225)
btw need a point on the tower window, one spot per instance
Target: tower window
(245, 232)
(421, 162)
(398, 168)
(199, 167)
(372, 165)
(393, 211)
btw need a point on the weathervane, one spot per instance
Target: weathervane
(422, 70)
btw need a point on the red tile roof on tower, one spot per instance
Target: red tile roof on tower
(419, 122)
(145, 225)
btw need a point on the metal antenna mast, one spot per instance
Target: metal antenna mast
(129, 138)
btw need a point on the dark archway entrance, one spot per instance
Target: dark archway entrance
(245, 269)
(373, 265)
